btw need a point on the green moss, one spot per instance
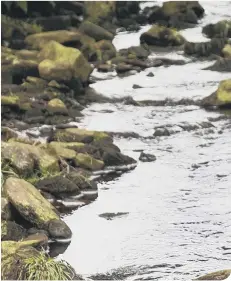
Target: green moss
(10, 100)
(224, 91)
(62, 152)
(88, 162)
(3, 228)
(227, 51)
(98, 10)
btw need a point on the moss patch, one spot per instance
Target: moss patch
(88, 162)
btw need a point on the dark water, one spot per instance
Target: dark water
(179, 220)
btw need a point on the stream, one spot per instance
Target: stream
(179, 213)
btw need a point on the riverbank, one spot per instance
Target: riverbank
(71, 156)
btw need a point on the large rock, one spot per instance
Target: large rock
(221, 98)
(24, 157)
(34, 207)
(218, 275)
(220, 29)
(56, 106)
(99, 11)
(63, 63)
(65, 37)
(95, 31)
(162, 36)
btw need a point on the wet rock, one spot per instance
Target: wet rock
(59, 229)
(33, 206)
(162, 36)
(218, 275)
(221, 29)
(161, 132)
(56, 249)
(215, 46)
(221, 65)
(57, 184)
(110, 216)
(146, 157)
(135, 86)
(221, 98)
(12, 231)
(62, 63)
(88, 162)
(56, 106)
(5, 209)
(150, 74)
(95, 31)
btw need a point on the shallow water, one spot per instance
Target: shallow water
(179, 219)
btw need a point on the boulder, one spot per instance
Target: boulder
(162, 36)
(226, 51)
(34, 207)
(56, 106)
(79, 135)
(221, 98)
(24, 157)
(99, 11)
(65, 37)
(95, 31)
(220, 29)
(61, 151)
(218, 275)
(63, 63)
(88, 162)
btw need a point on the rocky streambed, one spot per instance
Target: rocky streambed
(108, 104)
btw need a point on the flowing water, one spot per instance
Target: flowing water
(179, 213)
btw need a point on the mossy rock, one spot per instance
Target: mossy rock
(37, 41)
(221, 29)
(76, 146)
(226, 51)
(24, 157)
(95, 31)
(66, 59)
(6, 213)
(35, 208)
(61, 151)
(56, 106)
(218, 275)
(171, 8)
(12, 231)
(99, 11)
(221, 98)
(21, 261)
(12, 26)
(88, 162)
(10, 100)
(79, 135)
(106, 49)
(162, 36)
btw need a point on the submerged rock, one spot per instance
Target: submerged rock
(162, 36)
(218, 275)
(146, 157)
(110, 216)
(34, 207)
(221, 98)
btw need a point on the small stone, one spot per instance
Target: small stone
(145, 157)
(150, 74)
(135, 86)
